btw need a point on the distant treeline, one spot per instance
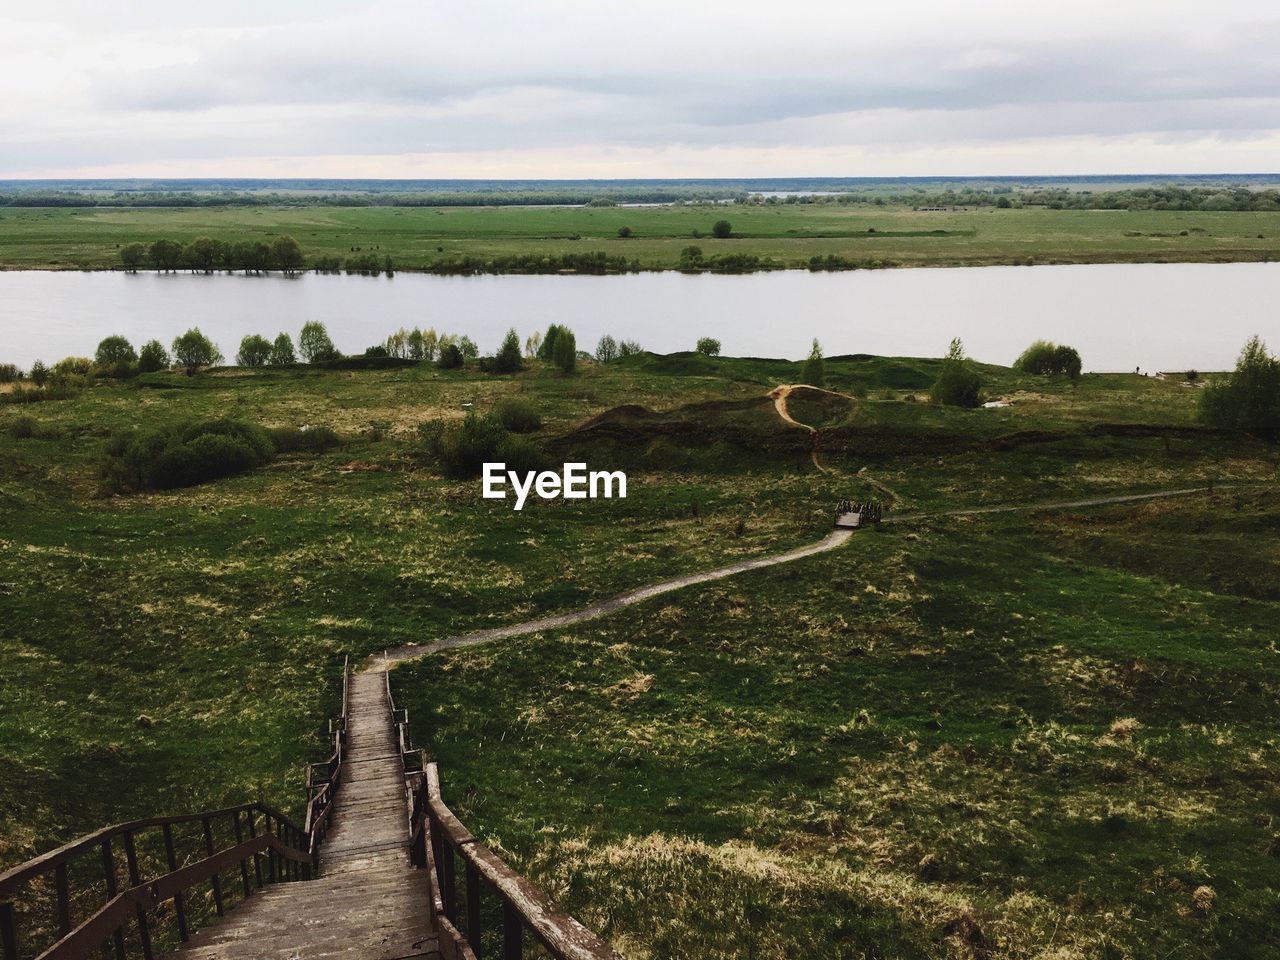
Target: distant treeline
(206, 255)
(1140, 198)
(550, 197)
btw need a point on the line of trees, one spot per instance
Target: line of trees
(206, 255)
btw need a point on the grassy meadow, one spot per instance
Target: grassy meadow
(417, 237)
(1046, 735)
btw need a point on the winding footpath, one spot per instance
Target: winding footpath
(831, 541)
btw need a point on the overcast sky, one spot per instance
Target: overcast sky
(483, 88)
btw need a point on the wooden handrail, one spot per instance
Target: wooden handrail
(290, 852)
(436, 837)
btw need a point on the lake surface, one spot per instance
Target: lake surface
(1121, 316)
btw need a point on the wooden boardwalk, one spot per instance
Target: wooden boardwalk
(368, 901)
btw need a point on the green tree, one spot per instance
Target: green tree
(202, 253)
(39, 373)
(1249, 398)
(255, 351)
(468, 347)
(958, 385)
(627, 348)
(314, 343)
(152, 357)
(507, 359)
(113, 351)
(814, 371)
(165, 255)
(450, 357)
(708, 346)
(287, 254)
(194, 350)
(722, 229)
(131, 256)
(547, 349)
(607, 349)
(282, 351)
(566, 351)
(624, 232)
(1043, 358)
(533, 344)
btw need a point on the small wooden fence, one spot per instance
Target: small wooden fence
(166, 860)
(324, 778)
(437, 839)
(855, 514)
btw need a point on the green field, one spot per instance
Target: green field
(1026, 735)
(417, 237)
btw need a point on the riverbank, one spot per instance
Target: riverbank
(516, 239)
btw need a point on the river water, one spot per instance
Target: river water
(1119, 316)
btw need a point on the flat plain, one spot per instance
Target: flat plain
(419, 237)
(1031, 734)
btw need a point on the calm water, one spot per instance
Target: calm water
(1157, 316)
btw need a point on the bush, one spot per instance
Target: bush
(565, 356)
(10, 373)
(183, 455)
(1248, 399)
(708, 346)
(114, 351)
(462, 449)
(314, 343)
(547, 347)
(39, 373)
(72, 367)
(721, 229)
(508, 359)
(152, 357)
(627, 348)
(518, 416)
(450, 357)
(303, 439)
(377, 352)
(624, 232)
(24, 427)
(1043, 358)
(957, 384)
(255, 351)
(194, 350)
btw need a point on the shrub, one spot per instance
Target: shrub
(957, 384)
(814, 370)
(183, 455)
(10, 373)
(114, 351)
(565, 356)
(377, 352)
(721, 229)
(690, 258)
(1043, 358)
(39, 373)
(1249, 398)
(282, 351)
(314, 343)
(462, 449)
(1193, 376)
(152, 357)
(607, 349)
(24, 427)
(194, 350)
(303, 439)
(547, 346)
(507, 359)
(708, 346)
(518, 416)
(255, 351)
(624, 232)
(450, 357)
(72, 367)
(627, 348)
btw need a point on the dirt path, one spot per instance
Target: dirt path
(830, 542)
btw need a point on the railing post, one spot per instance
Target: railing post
(8, 932)
(109, 874)
(257, 863)
(179, 904)
(216, 882)
(135, 879)
(472, 876)
(274, 867)
(244, 864)
(512, 932)
(64, 899)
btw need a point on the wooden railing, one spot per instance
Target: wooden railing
(259, 833)
(321, 790)
(64, 906)
(436, 840)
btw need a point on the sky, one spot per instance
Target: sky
(651, 88)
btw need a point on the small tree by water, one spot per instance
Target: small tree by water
(958, 385)
(1249, 398)
(814, 372)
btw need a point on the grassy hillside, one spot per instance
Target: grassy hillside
(417, 237)
(1025, 735)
